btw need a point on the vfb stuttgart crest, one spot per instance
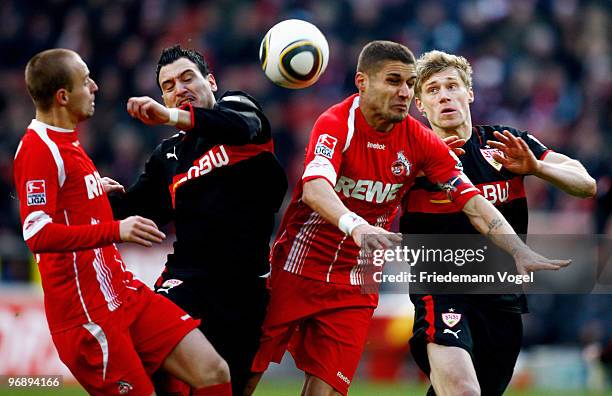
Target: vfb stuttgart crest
(401, 166)
(488, 152)
(451, 319)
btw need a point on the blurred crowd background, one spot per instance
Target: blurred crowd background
(543, 66)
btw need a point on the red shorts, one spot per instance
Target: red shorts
(118, 354)
(323, 325)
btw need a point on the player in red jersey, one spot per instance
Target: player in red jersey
(364, 153)
(110, 329)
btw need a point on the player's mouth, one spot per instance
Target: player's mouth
(400, 107)
(448, 111)
(184, 101)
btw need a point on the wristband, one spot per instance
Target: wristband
(349, 221)
(173, 115)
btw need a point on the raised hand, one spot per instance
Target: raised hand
(109, 185)
(529, 261)
(517, 157)
(377, 237)
(140, 230)
(148, 110)
(455, 143)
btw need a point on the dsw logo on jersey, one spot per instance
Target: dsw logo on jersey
(94, 185)
(214, 158)
(367, 190)
(496, 192)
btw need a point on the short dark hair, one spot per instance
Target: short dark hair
(171, 54)
(45, 73)
(376, 52)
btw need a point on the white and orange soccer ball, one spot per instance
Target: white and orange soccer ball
(294, 54)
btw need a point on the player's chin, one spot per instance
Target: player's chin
(397, 115)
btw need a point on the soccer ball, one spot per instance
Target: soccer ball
(294, 54)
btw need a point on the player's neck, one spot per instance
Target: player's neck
(462, 132)
(56, 117)
(376, 120)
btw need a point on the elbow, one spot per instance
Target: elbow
(588, 190)
(591, 190)
(308, 196)
(35, 245)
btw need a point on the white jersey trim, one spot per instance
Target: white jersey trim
(351, 123)
(41, 130)
(100, 336)
(103, 275)
(321, 166)
(329, 270)
(35, 222)
(76, 276)
(301, 243)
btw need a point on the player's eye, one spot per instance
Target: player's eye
(432, 90)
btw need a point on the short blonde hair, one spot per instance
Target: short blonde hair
(433, 62)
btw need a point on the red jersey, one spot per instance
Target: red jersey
(68, 222)
(370, 171)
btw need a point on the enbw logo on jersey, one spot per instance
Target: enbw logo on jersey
(35, 192)
(326, 144)
(401, 167)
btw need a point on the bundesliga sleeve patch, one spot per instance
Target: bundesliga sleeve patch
(35, 192)
(326, 144)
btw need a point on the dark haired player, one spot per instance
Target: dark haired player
(475, 355)
(220, 183)
(363, 154)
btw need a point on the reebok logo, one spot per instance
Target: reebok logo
(376, 146)
(343, 377)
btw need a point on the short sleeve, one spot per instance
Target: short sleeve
(324, 151)
(443, 168)
(539, 150)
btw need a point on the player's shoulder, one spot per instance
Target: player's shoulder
(32, 144)
(239, 99)
(417, 131)
(170, 142)
(340, 113)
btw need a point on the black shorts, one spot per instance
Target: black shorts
(232, 311)
(492, 337)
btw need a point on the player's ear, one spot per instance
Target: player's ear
(470, 95)
(420, 106)
(61, 96)
(361, 81)
(212, 82)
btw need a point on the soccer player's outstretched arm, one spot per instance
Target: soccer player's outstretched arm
(321, 197)
(441, 165)
(235, 119)
(560, 170)
(35, 168)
